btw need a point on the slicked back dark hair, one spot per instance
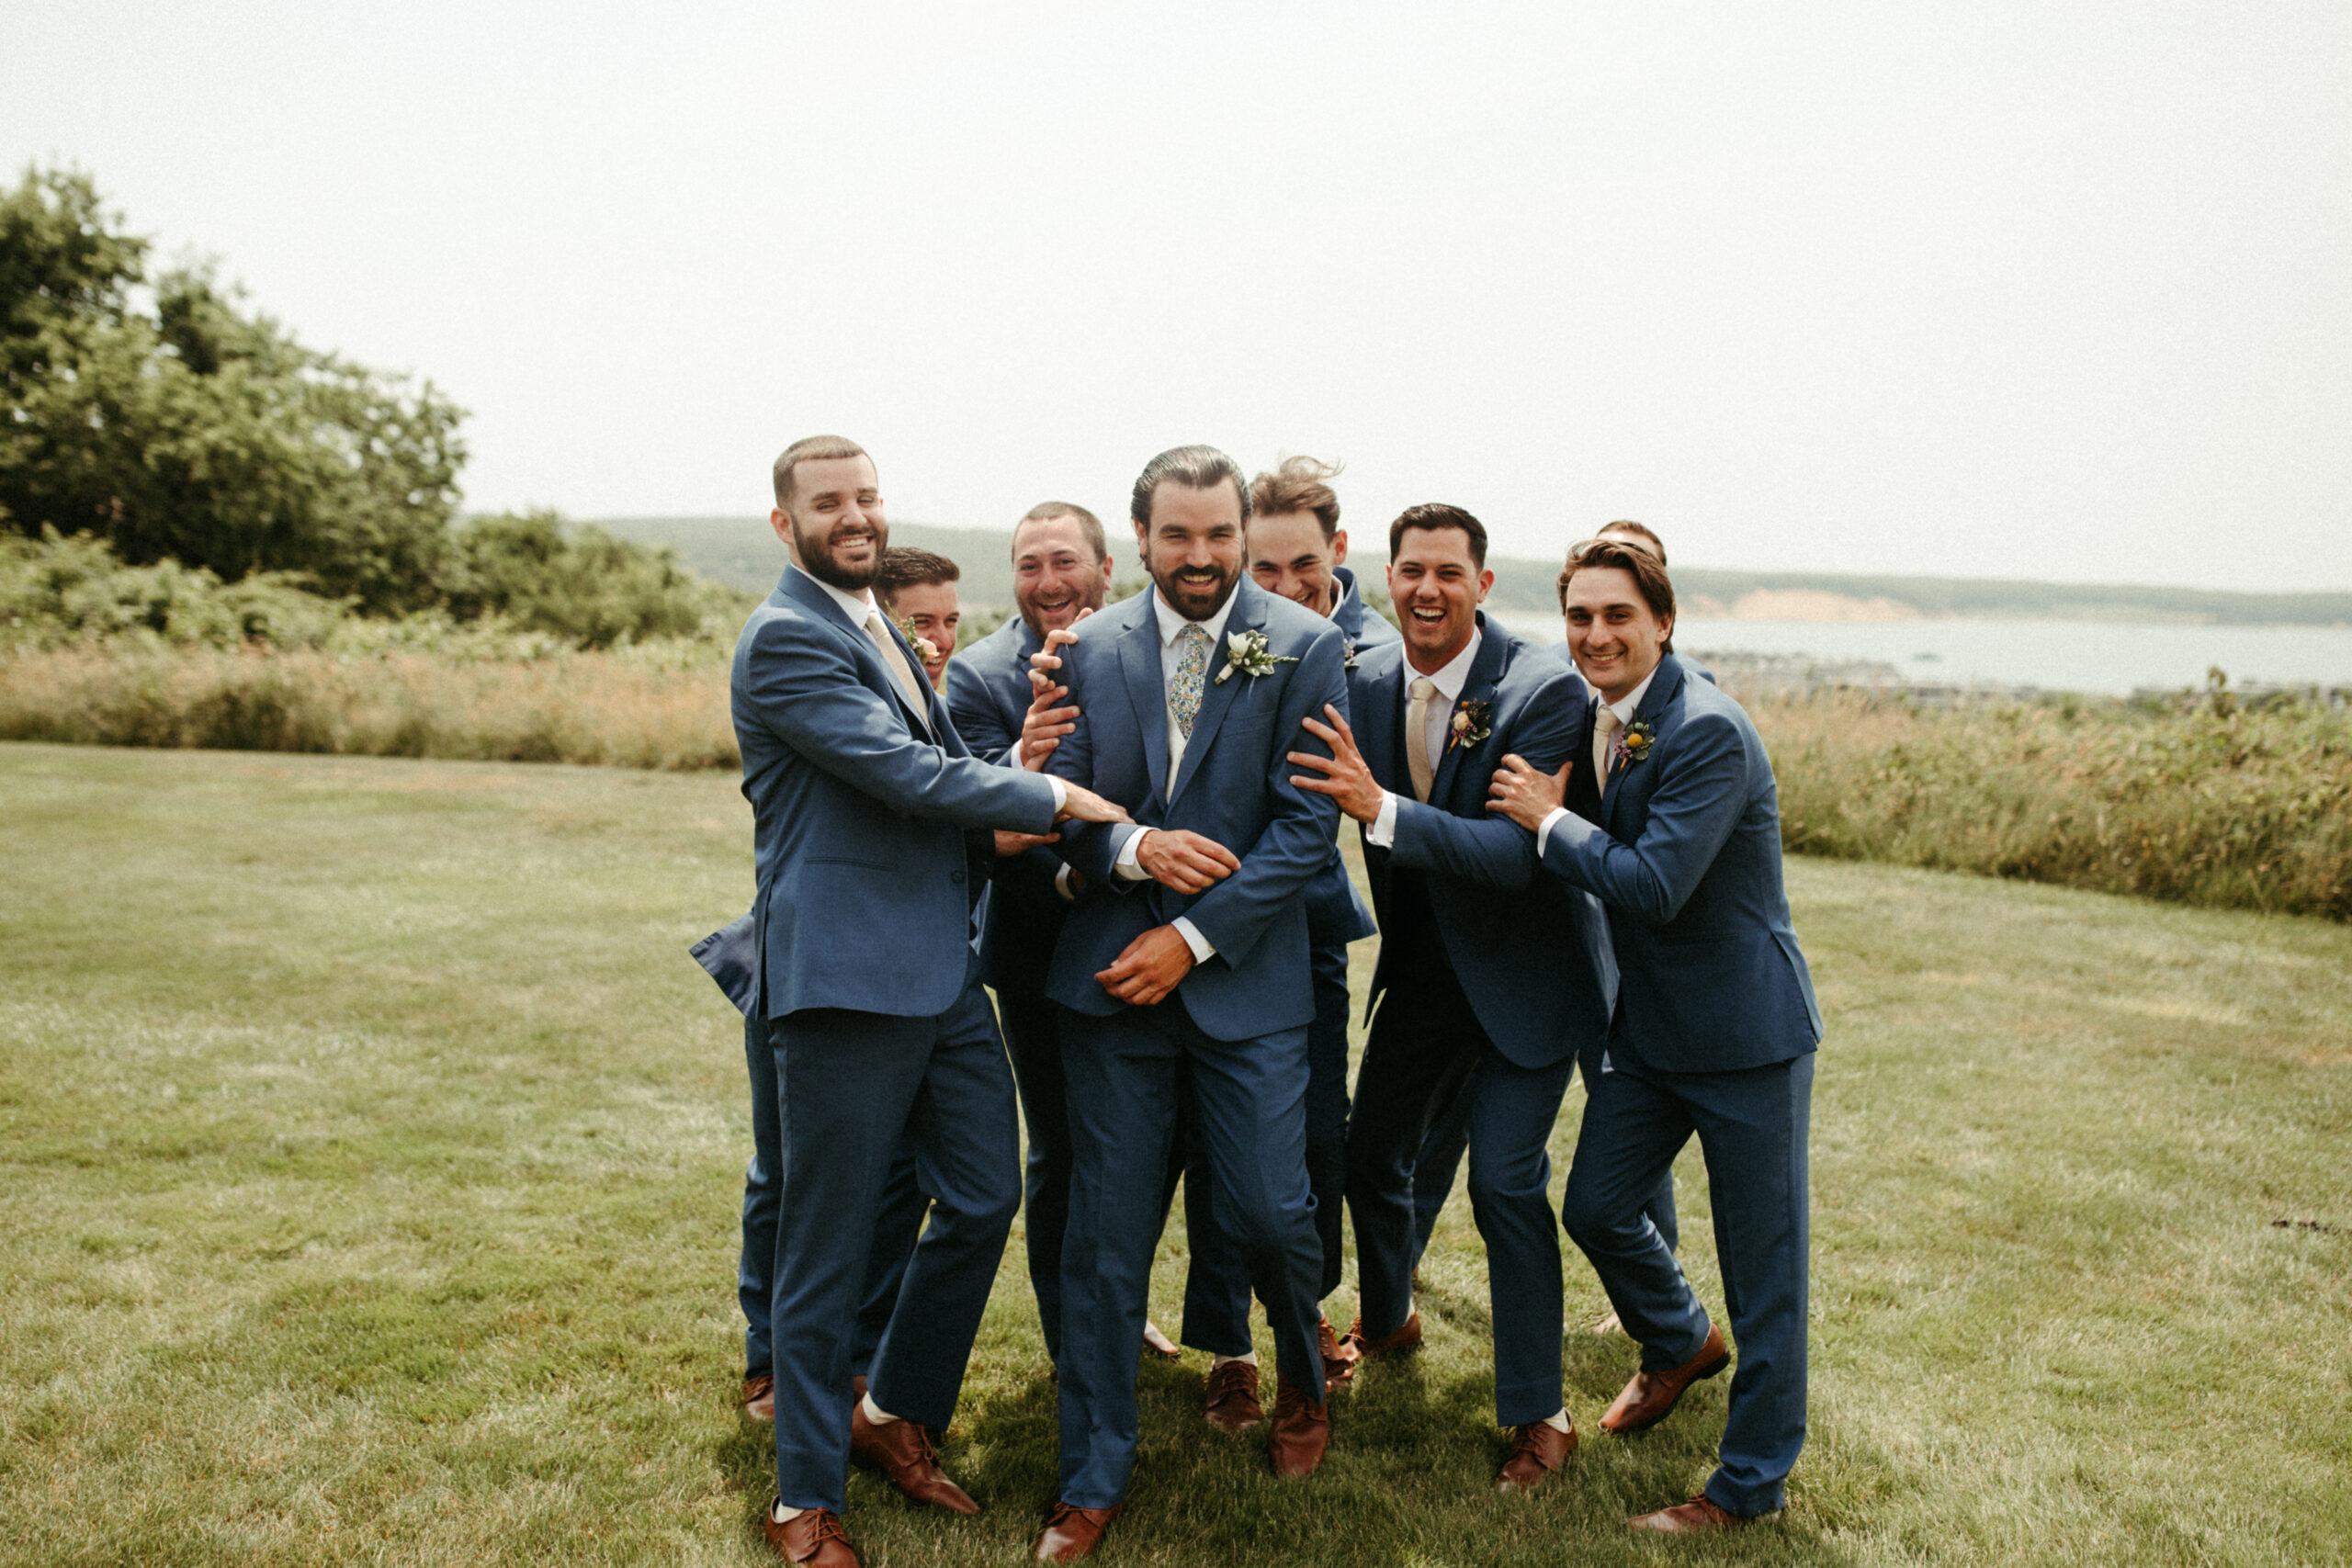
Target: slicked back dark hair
(1047, 511)
(1194, 468)
(809, 450)
(904, 567)
(1433, 516)
(1647, 572)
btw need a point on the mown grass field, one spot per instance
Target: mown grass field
(369, 1152)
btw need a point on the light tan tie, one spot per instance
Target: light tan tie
(892, 659)
(1416, 736)
(1604, 731)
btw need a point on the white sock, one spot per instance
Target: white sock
(782, 1514)
(1559, 1423)
(875, 1413)
(1249, 1360)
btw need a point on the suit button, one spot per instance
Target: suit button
(955, 876)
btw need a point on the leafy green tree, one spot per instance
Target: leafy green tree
(197, 431)
(581, 583)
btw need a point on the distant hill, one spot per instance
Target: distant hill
(743, 552)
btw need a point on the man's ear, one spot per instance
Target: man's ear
(1485, 581)
(1339, 547)
(781, 521)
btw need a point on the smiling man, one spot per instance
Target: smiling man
(1678, 835)
(1187, 946)
(1491, 979)
(871, 838)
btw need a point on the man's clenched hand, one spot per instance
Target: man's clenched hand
(1150, 967)
(1177, 858)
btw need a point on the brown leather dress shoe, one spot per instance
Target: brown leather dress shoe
(901, 1450)
(1651, 1396)
(1233, 1397)
(1536, 1451)
(1406, 1337)
(1338, 1357)
(759, 1397)
(813, 1535)
(1301, 1431)
(1699, 1514)
(1072, 1533)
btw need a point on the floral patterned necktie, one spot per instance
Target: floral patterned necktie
(1192, 671)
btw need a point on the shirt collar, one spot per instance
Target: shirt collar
(1626, 706)
(857, 606)
(1170, 623)
(1346, 588)
(1454, 673)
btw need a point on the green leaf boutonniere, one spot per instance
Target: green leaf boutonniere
(1633, 745)
(1473, 721)
(1250, 653)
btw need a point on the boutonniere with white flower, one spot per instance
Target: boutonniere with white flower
(1632, 743)
(1473, 721)
(1250, 653)
(925, 650)
(1348, 655)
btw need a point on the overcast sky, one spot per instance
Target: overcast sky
(2029, 290)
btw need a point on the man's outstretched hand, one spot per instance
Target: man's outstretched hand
(1177, 858)
(1043, 727)
(1011, 845)
(1525, 795)
(1347, 778)
(1084, 806)
(1150, 967)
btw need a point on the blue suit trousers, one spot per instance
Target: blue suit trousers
(854, 1087)
(894, 1237)
(1249, 1099)
(1753, 1128)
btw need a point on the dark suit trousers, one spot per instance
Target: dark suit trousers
(855, 1085)
(1249, 1096)
(1216, 1285)
(894, 1237)
(1426, 1046)
(1752, 1128)
(1032, 1038)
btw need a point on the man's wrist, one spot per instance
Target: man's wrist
(1202, 949)
(1128, 865)
(1382, 833)
(1543, 829)
(1061, 793)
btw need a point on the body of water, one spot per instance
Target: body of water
(2064, 656)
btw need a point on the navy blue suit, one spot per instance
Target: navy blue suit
(730, 958)
(1489, 976)
(870, 846)
(1715, 1034)
(1239, 1022)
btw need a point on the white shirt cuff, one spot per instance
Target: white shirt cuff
(1382, 834)
(1543, 829)
(1128, 867)
(1062, 884)
(1061, 793)
(1202, 949)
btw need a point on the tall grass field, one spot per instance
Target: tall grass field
(370, 1153)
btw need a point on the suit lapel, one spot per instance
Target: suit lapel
(1485, 674)
(1664, 687)
(804, 590)
(1217, 697)
(1377, 722)
(1139, 661)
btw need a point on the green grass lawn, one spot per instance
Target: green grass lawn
(370, 1156)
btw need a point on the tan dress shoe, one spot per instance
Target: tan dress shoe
(759, 1397)
(1072, 1532)
(813, 1535)
(901, 1450)
(1651, 1396)
(1233, 1397)
(1301, 1431)
(1405, 1337)
(1693, 1518)
(1338, 1357)
(1536, 1452)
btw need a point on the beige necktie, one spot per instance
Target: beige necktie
(892, 659)
(1416, 736)
(1604, 731)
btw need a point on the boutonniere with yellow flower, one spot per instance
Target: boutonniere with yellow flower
(1473, 721)
(1632, 743)
(925, 650)
(1252, 654)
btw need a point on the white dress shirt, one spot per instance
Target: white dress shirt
(1128, 867)
(1448, 681)
(1624, 708)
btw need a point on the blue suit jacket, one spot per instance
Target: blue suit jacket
(866, 877)
(1532, 956)
(1335, 913)
(988, 694)
(1365, 627)
(1235, 788)
(1686, 856)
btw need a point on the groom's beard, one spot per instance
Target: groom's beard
(817, 560)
